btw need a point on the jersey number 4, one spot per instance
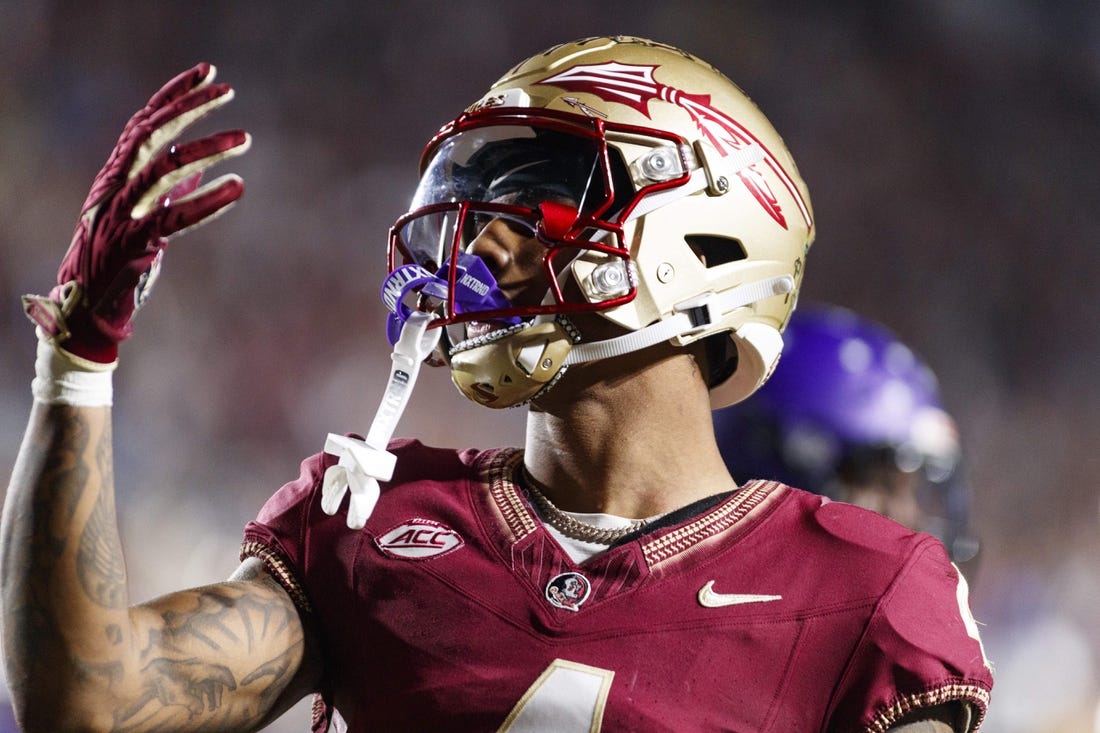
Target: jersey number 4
(567, 697)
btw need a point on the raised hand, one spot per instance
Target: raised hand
(148, 190)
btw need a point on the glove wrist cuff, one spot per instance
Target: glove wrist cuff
(58, 317)
(62, 378)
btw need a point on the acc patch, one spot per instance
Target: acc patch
(568, 591)
(419, 539)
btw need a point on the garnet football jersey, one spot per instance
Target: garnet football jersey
(772, 610)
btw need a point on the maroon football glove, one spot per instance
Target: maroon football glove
(147, 191)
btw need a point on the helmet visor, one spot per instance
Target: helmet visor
(550, 183)
(524, 163)
(513, 169)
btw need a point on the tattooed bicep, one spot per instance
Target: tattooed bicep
(224, 652)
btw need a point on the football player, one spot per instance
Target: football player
(853, 413)
(614, 236)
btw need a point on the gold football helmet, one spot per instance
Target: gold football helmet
(665, 200)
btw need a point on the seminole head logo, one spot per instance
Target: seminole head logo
(635, 86)
(568, 591)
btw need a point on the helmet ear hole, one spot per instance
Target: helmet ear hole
(713, 250)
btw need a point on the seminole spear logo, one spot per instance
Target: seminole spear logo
(634, 86)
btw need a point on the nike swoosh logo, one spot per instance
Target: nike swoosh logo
(709, 599)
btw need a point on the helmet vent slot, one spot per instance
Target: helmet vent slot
(713, 250)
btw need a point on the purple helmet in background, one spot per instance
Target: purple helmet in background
(848, 398)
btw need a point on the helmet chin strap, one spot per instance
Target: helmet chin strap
(363, 463)
(692, 316)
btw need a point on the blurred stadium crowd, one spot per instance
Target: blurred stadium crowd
(951, 149)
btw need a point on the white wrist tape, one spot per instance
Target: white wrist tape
(61, 378)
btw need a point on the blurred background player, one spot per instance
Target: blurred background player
(853, 413)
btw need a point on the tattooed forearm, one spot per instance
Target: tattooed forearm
(99, 561)
(99, 558)
(50, 633)
(60, 460)
(78, 655)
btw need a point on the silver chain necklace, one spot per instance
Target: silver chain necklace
(572, 527)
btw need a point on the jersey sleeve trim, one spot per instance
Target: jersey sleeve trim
(280, 570)
(974, 695)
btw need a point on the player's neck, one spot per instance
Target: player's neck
(632, 446)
